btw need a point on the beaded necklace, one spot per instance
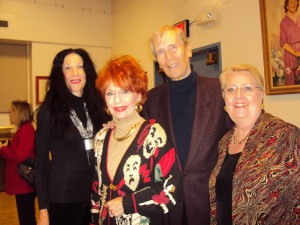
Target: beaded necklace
(235, 141)
(85, 133)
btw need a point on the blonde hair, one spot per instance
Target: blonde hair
(22, 112)
(242, 67)
(158, 34)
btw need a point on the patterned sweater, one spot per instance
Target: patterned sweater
(148, 177)
(266, 181)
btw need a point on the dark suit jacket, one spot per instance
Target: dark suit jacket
(211, 122)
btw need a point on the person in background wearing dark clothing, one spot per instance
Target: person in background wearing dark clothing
(66, 123)
(20, 148)
(191, 110)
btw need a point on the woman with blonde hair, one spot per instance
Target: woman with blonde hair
(256, 179)
(20, 148)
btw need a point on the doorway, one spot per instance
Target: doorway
(14, 77)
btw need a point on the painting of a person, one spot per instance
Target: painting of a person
(290, 41)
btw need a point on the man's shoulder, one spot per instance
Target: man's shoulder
(208, 80)
(205, 83)
(158, 90)
(209, 85)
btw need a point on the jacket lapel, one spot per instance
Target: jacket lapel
(201, 118)
(167, 115)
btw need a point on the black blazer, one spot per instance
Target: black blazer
(211, 122)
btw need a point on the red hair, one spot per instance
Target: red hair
(125, 72)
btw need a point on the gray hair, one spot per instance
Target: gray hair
(158, 34)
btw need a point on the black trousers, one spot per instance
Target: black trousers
(26, 208)
(69, 214)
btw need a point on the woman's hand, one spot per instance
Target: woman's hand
(115, 207)
(44, 217)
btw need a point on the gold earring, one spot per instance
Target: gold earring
(225, 108)
(138, 107)
(107, 111)
(262, 106)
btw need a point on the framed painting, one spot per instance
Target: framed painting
(184, 26)
(40, 87)
(280, 24)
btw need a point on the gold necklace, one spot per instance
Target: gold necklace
(235, 141)
(130, 132)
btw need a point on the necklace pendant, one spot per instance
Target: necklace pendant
(88, 144)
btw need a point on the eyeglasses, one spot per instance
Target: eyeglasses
(245, 89)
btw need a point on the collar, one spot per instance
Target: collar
(122, 126)
(185, 84)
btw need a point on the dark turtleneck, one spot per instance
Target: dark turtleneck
(183, 99)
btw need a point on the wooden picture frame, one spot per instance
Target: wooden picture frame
(40, 87)
(281, 77)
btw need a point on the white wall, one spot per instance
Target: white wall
(49, 26)
(52, 28)
(238, 29)
(42, 65)
(62, 21)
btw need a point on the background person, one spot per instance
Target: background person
(66, 124)
(257, 177)
(191, 110)
(20, 148)
(139, 177)
(290, 40)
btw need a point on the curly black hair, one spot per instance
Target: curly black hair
(58, 92)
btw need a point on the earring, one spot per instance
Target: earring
(262, 106)
(225, 108)
(107, 111)
(138, 107)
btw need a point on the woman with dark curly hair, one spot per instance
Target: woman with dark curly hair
(66, 124)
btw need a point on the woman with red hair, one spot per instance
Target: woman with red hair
(139, 177)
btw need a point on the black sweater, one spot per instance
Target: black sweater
(67, 177)
(183, 98)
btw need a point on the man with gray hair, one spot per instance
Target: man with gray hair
(191, 110)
